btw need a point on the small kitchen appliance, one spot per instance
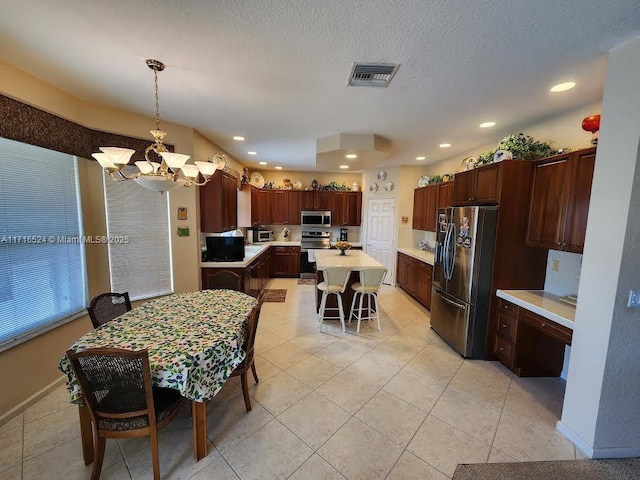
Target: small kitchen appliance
(344, 233)
(258, 235)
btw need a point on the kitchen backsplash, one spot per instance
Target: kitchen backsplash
(566, 279)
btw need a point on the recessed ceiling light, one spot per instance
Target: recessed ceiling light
(351, 155)
(487, 124)
(252, 153)
(278, 168)
(562, 87)
(262, 163)
(344, 167)
(421, 158)
(445, 145)
(238, 138)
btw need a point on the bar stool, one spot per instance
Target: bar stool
(335, 282)
(369, 286)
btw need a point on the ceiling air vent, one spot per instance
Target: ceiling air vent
(372, 74)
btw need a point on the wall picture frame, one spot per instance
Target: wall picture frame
(182, 213)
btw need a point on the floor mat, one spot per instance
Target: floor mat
(306, 275)
(275, 294)
(306, 281)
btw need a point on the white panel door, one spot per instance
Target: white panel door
(381, 220)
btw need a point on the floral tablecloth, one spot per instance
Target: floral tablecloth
(194, 340)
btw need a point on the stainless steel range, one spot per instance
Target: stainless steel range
(312, 240)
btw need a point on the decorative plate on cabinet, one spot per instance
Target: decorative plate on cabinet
(297, 185)
(389, 186)
(424, 181)
(502, 155)
(257, 180)
(382, 175)
(373, 187)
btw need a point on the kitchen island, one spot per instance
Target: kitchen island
(355, 260)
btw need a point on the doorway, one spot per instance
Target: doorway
(380, 239)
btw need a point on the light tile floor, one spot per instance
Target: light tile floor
(395, 404)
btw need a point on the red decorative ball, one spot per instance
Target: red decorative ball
(591, 124)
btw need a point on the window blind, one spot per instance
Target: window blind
(140, 249)
(42, 262)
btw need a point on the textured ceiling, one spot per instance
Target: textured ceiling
(276, 71)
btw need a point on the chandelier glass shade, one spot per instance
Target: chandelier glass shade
(167, 170)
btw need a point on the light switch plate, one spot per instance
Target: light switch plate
(634, 299)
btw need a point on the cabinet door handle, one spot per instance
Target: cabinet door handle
(504, 325)
(502, 349)
(543, 324)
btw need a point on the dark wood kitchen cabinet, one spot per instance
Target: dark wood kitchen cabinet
(527, 343)
(261, 206)
(286, 261)
(219, 203)
(346, 209)
(426, 201)
(414, 276)
(559, 203)
(445, 195)
(431, 208)
(254, 277)
(480, 186)
(285, 207)
(419, 207)
(322, 200)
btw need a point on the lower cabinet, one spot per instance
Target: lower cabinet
(286, 261)
(255, 275)
(414, 277)
(528, 344)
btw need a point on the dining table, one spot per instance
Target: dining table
(194, 341)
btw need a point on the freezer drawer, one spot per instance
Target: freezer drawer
(450, 319)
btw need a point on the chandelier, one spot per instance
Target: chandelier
(170, 172)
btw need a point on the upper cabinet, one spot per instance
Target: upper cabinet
(480, 186)
(346, 208)
(283, 207)
(219, 203)
(261, 207)
(559, 204)
(426, 202)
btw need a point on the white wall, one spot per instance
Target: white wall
(601, 408)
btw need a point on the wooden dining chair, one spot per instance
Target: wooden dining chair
(248, 363)
(108, 306)
(116, 387)
(225, 279)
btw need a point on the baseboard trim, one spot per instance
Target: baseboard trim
(32, 400)
(615, 452)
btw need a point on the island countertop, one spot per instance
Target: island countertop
(354, 259)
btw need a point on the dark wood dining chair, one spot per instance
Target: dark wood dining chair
(116, 387)
(243, 369)
(225, 279)
(108, 306)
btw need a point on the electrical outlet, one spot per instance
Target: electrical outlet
(555, 265)
(634, 299)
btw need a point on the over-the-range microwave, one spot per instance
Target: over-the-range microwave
(315, 218)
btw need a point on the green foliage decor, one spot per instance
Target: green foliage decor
(523, 147)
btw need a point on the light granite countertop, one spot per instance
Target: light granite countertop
(422, 255)
(354, 259)
(543, 303)
(252, 251)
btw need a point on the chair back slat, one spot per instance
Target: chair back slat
(114, 381)
(225, 279)
(252, 329)
(108, 306)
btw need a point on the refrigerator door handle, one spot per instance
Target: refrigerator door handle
(451, 251)
(450, 302)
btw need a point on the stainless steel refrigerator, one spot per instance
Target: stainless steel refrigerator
(462, 277)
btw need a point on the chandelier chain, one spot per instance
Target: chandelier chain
(155, 77)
